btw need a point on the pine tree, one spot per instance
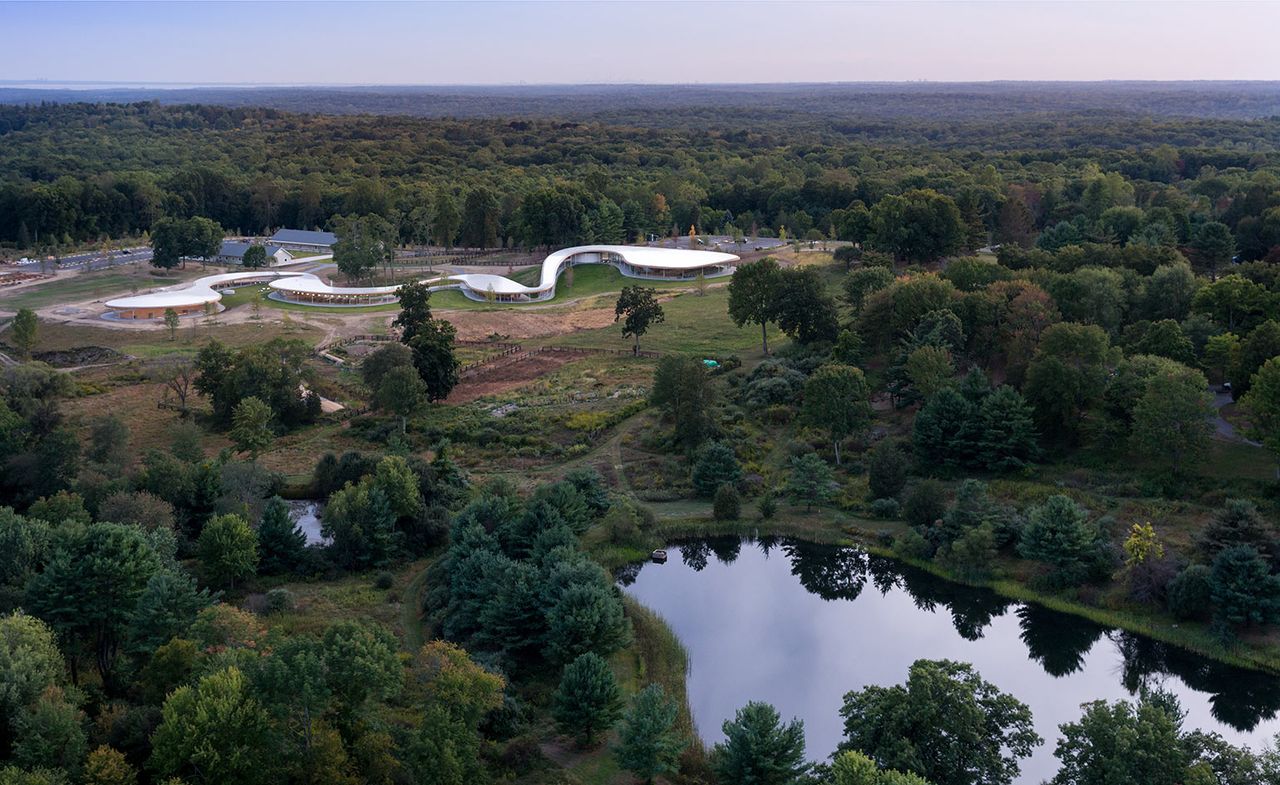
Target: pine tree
(281, 541)
(648, 742)
(759, 749)
(587, 701)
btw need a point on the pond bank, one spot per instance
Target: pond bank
(844, 530)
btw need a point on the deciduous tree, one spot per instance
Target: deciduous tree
(638, 307)
(837, 398)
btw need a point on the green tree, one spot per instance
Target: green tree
(1221, 353)
(434, 357)
(1166, 339)
(50, 734)
(649, 743)
(29, 664)
(228, 550)
(1234, 302)
(1262, 402)
(1058, 534)
(24, 331)
(255, 256)
(946, 724)
(810, 480)
(587, 702)
(919, 226)
(364, 243)
(1244, 591)
(752, 293)
(107, 766)
(88, 590)
(802, 308)
(1214, 246)
(215, 732)
(1121, 744)
(401, 391)
(1007, 437)
(837, 398)
(638, 307)
(1068, 374)
(251, 426)
(281, 541)
(714, 465)
(480, 215)
(415, 312)
(1239, 522)
(1171, 419)
(362, 665)
(386, 357)
(171, 323)
(864, 282)
(887, 470)
(682, 387)
(930, 369)
(166, 609)
(447, 219)
(758, 748)
(586, 618)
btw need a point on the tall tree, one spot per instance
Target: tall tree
(251, 426)
(1171, 419)
(638, 308)
(587, 702)
(802, 307)
(759, 749)
(837, 398)
(402, 392)
(255, 256)
(1122, 744)
(946, 724)
(228, 550)
(480, 219)
(1214, 246)
(281, 541)
(752, 294)
(648, 741)
(24, 330)
(364, 243)
(682, 387)
(447, 219)
(1263, 404)
(919, 226)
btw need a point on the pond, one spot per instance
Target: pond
(307, 515)
(798, 625)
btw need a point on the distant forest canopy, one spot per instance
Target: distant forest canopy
(1056, 175)
(647, 105)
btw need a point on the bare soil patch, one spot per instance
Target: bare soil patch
(507, 377)
(479, 325)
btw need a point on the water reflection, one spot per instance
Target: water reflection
(803, 629)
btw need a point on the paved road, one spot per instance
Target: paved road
(96, 260)
(1221, 426)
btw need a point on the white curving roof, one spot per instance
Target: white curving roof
(201, 290)
(198, 292)
(637, 255)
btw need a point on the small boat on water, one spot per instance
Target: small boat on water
(659, 556)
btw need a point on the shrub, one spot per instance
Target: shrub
(925, 504)
(1190, 591)
(727, 505)
(911, 545)
(888, 509)
(384, 580)
(279, 601)
(767, 507)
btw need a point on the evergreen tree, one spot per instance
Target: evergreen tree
(1007, 438)
(945, 432)
(887, 470)
(810, 480)
(648, 741)
(586, 618)
(1238, 523)
(1244, 591)
(714, 465)
(281, 542)
(1058, 534)
(587, 702)
(759, 749)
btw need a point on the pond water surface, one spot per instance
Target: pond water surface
(307, 515)
(798, 625)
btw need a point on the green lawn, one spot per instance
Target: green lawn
(588, 281)
(83, 286)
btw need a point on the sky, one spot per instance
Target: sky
(484, 43)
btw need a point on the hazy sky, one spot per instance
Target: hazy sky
(665, 42)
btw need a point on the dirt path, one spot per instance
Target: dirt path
(1222, 427)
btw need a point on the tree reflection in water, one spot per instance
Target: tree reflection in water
(1058, 642)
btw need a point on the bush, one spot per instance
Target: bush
(911, 545)
(727, 505)
(887, 470)
(1188, 594)
(888, 509)
(767, 507)
(385, 580)
(279, 601)
(925, 504)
